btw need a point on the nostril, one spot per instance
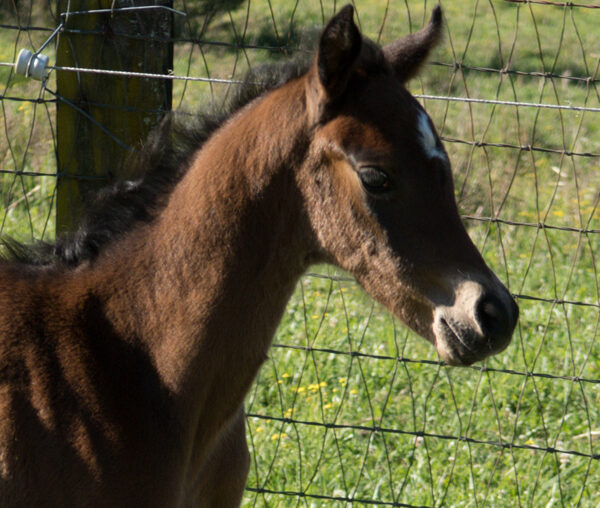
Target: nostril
(493, 317)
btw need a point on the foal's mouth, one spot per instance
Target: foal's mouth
(453, 347)
(480, 323)
(462, 345)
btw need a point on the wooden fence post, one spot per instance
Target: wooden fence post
(101, 118)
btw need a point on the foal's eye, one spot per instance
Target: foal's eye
(374, 180)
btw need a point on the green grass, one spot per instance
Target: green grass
(362, 392)
(26, 135)
(395, 382)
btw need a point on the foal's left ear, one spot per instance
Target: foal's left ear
(339, 48)
(406, 55)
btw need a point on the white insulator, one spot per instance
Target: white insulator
(30, 65)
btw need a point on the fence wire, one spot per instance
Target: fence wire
(351, 407)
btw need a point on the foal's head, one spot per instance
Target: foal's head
(381, 196)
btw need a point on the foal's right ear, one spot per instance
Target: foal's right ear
(339, 47)
(338, 50)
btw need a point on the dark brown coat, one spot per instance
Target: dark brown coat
(123, 373)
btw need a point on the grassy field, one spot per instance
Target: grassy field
(351, 405)
(26, 143)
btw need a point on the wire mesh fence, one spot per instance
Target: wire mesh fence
(351, 407)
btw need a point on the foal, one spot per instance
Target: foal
(125, 360)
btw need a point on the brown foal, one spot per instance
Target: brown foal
(125, 359)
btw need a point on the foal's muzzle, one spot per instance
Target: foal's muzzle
(479, 323)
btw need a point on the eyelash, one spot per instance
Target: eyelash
(374, 180)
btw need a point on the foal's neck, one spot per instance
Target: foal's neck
(224, 256)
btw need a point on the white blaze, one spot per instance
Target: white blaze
(428, 138)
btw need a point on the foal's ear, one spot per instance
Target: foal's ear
(338, 51)
(406, 55)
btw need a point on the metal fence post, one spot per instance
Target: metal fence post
(101, 118)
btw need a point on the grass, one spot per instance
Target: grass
(403, 397)
(27, 139)
(342, 367)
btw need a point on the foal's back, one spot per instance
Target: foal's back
(32, 358)
(74, 396)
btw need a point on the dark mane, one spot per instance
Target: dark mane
(162, 162)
